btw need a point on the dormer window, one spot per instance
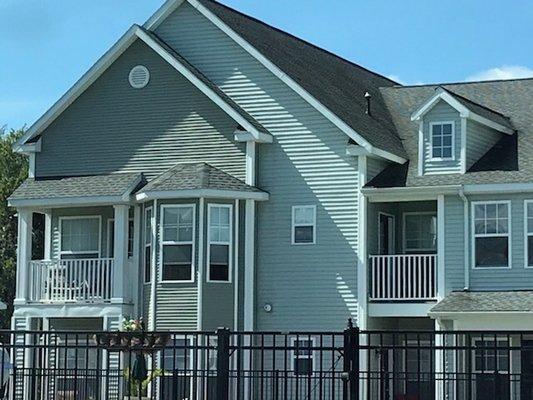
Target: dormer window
(442, 140)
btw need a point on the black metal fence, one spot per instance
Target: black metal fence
(224, 365)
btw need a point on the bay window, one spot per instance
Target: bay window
(79, 237)
(177, 233)
(491, 227)
(219, 242)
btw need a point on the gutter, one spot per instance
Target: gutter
(467, 242)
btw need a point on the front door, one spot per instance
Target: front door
(491, 369)
(386, 234)
(526, 376)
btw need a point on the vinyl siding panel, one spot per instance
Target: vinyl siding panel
(454, 243)
(441, 112)
(112, 127)
(374, 166)
(479, 139)
(306, 164)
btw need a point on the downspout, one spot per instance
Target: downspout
(467, 238)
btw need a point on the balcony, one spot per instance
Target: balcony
(78, 281)
(404, 277)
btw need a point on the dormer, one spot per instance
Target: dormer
(455, 132)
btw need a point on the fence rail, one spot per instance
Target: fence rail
(403, 277)
(224, 365)
(80, 280)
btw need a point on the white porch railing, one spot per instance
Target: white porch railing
(85, 280)
(403, 277)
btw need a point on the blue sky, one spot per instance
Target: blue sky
(46, 45)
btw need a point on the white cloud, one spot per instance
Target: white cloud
(396, 78)
(504, 72)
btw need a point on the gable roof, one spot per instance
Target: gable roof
(505, 301)
(172, 57)
(98, 189)
(198, 180)
(467, 109)
(333, 85)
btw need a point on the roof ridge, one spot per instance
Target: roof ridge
(475, 102)
(458, 83)
(329, 52)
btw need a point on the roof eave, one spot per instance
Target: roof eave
(197, 193)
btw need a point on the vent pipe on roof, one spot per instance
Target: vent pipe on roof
(368, 97)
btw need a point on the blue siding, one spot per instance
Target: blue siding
(479, 139)
(306, 164)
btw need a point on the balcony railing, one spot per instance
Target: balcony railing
(403, 277)
(84, 280)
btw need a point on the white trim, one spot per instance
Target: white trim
(441, 248)
(294, 356)
(240, 136)
(421, 148)
(404, 231)
(110, 222)
(162, 242)
(526, 234)
(140, 85)
(145, 244)
(172, 5)
(68, 201)
(236, 270)
(47, 234)
(293, 225)
(463, 144)
(207, 193)
(60, 223)
(201, 263)
(251, 164)
(393, 232)
(249, 266)
(474, 235)
(356, 150)
(441, 123)
(31, 165)
(155, 267)
(229, 243)
(442, 94)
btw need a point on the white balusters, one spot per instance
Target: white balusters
(403, 277)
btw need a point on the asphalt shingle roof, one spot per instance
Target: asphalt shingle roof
(509, 162)
(206, 81)
(190, 176)
(80, 186)
(338, 84)
(486, 302)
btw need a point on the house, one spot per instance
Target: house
(211, 170)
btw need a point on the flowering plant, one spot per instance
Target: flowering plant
(132, 325)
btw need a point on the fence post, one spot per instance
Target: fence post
(222, 386)
(351, 362)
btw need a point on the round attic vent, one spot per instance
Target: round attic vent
(139, 76)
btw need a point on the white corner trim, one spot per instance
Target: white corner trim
(464, 144)
(362, 247)
(241, 136)
(441, 247)
(207, 193)
(356, 150)
(527, 202)
(421, 148)
(249, 266)
(31, 165)
(201, 263)
(284, 78)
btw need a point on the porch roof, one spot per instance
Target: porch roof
(57, 191)
(481, 302)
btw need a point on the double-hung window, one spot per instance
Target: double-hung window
(528, 228)
(420, 232)
(303, 224)
(80, 237)
(442, 140)
(491, 226)
(177, 232)
(147, 248)
(219, 247)
(303, 355)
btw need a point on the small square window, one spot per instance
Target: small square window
(442, 140)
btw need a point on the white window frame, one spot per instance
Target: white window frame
(487, 339)
(162, 242)
(431, 125)
(110, 222)
(293, 225)
(473, 234)
(404, 231)
(393, 233)
(294, 356)
(145, 244)
(229, 243)
(526, 234)
(98, 217)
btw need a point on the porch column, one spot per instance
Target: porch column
(120, 252)
(441, 277)
(439, 360)
(24, 248)
(136, 267)
(47, 234)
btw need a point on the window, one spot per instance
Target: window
(303, 356)
(80, 237)
(177, 231)
(111, 237)
(528, 228)
(176, 362)
(420, 232)
(303, 224)
(219, 256)
(442, 140)
(491, 234)
(147, 240)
